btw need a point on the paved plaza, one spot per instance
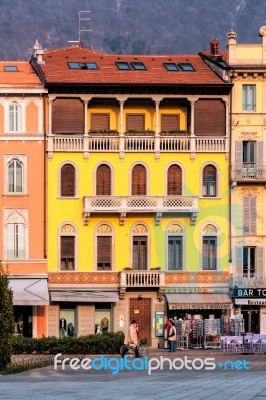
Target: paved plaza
(219, 384)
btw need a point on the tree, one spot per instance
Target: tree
(6, 319)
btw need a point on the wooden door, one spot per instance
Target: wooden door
(143, 317)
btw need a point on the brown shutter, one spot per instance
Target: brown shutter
(139, 180)
(103, 180)
(249, 215)
(68, 116)
(135, 122)
(68, 181)
(100, 122)
(104, 252)
(67, 246)
(170, 122)
(174, 180)
(209, 118)
(260, 262)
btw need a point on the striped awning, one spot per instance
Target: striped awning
(198, 301)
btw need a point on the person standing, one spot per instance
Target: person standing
(132, 337)
(172, 337)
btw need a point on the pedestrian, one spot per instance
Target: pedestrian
(172, 337)
(132, 337)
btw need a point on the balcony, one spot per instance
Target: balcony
(157, 205)
(141, 279)
(242, 281)
(136, 143)
(248, 172)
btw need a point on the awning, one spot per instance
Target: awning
(31, 292)
(198, 301)
(84, 297)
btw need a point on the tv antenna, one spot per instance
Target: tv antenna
(83, 16)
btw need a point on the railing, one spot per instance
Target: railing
(242, 281)
(141, 279)
(135, 143)
(140, 203)
(248, 172)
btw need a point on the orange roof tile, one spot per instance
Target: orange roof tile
(25, 76)
(56, 70)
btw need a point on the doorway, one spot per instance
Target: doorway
(140, 310)
(251, 317)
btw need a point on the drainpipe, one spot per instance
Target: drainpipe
(44, 178)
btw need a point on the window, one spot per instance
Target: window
(135, 122)
(104, 247)
(249, 262)
(86, 65)
(103, 180)
(174, 180)
(249, 214)
(68, 181)
(138, 65)
(170, 66)
(123, 65)
(186, 67)
(209, 247)
(91, 65)
(249, 98)
(139, 252)
(209, 252)
(67, 247)
(14, 117)
(170, 122)
(175, 250)
(15, 241)
(209, 181)
(10, 68)
(100, 122)
(249, 152)
(15, 177)
(139, 187)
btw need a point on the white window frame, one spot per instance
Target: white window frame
(215, 232)
(181, 234)
(249, 98)
(19, 219)
(14, 117)
(8, 159)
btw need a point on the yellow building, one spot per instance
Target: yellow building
(138, 171)
(248, 177)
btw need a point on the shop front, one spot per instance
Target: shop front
(251, 304)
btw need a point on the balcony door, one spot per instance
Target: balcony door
(139, 186)
(139, 253)
(249, 159)
(103, 180)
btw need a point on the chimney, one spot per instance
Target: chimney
(38, 52)
(214, 47)
(231, 45)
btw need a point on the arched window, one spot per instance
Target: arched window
(175, 244)
(15, 176)
(16, 233)
(139, 185)
(104, 247)
(209, 181)
(14, 117)
(209, 247)
(140, 247)
(67, 247)
(103, 180)
(68, 181)
(174, 180)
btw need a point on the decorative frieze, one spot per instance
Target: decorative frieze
(88, 278)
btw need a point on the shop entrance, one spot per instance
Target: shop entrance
(251, 316)
(23, 320)
(140, 310)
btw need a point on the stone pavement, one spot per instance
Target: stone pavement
(166, 384)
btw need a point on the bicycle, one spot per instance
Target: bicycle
(129, 350)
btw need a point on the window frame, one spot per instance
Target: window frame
(248, 96)
(210, 231)
(70, 231)
(104, 229)
(16, 216)
(217, 185)
(14, 117)
(168, 66)
(60, 181)
(138, 66)
(22, 160)
(120, 65)
(140, 229)
(175, 229)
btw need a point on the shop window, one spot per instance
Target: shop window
(67, 322)
(67, 247)
(103, 180)
(209, 181)
(68, 181)
(103, 322)
(15, 176)
(14, 117)
(174, 180)
(139, 184)
(249, 98)
(23, 321)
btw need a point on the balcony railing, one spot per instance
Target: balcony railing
(248, 172)
(241, 281)
(140, 204)
(135, 143)
(141, 279)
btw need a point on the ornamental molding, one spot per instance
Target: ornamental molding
(104, 228)
(249, 135)
(175, 228)
(200, 277)
(67, 228)
(80, 278)
(248, 192)
(16, 216)
(140, 229)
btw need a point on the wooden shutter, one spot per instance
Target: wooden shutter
(174, 180)
(209, 118)
(103, 180)
(140, 252)
(239, 260)
(68, 116)
(135, 122)
(68, 247)
(239, 152)
(104, 251)
(100, 122)
(68, 181)
(249, 205)
(260, 172)
(139, 180)
(260, 261)
(170, 122)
